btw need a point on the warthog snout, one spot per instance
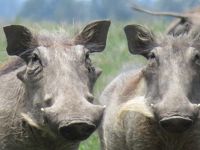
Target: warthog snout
(76, 126)
(177, 118)
(176, 124)
(77, 130)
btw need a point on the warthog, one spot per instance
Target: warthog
(46, 92)
(155, 107)
(183, 24)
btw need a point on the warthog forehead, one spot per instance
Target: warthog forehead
(73, 53)
(49, 39)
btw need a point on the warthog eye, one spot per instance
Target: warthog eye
(197, 58)
(87, 55)
(34, 66)
(35, 58)
(90, 97)
(151, 55)
(88, 63)
(48, 102)
(153, 60)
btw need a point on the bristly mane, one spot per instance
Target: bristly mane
(49, 39)
(187, 39)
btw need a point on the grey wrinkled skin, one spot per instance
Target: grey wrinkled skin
(138, 101)
(46, 89)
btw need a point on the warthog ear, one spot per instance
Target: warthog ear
(140, 40)
(20, 40)
(94, 36)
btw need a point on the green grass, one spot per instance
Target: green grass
(91, 144)
(112, 61)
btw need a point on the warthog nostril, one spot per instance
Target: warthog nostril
(77, 131)
(176, 124)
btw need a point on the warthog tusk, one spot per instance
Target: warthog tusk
(42, 109)
(33, 123)
(30, 120)
(198, 105)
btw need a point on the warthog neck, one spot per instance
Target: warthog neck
(35, 139)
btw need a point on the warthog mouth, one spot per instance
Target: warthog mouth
(76, 130)
(176, 124)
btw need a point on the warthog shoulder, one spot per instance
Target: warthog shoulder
(125, 86)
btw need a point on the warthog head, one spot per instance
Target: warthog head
(59, 77)
(172, 76)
